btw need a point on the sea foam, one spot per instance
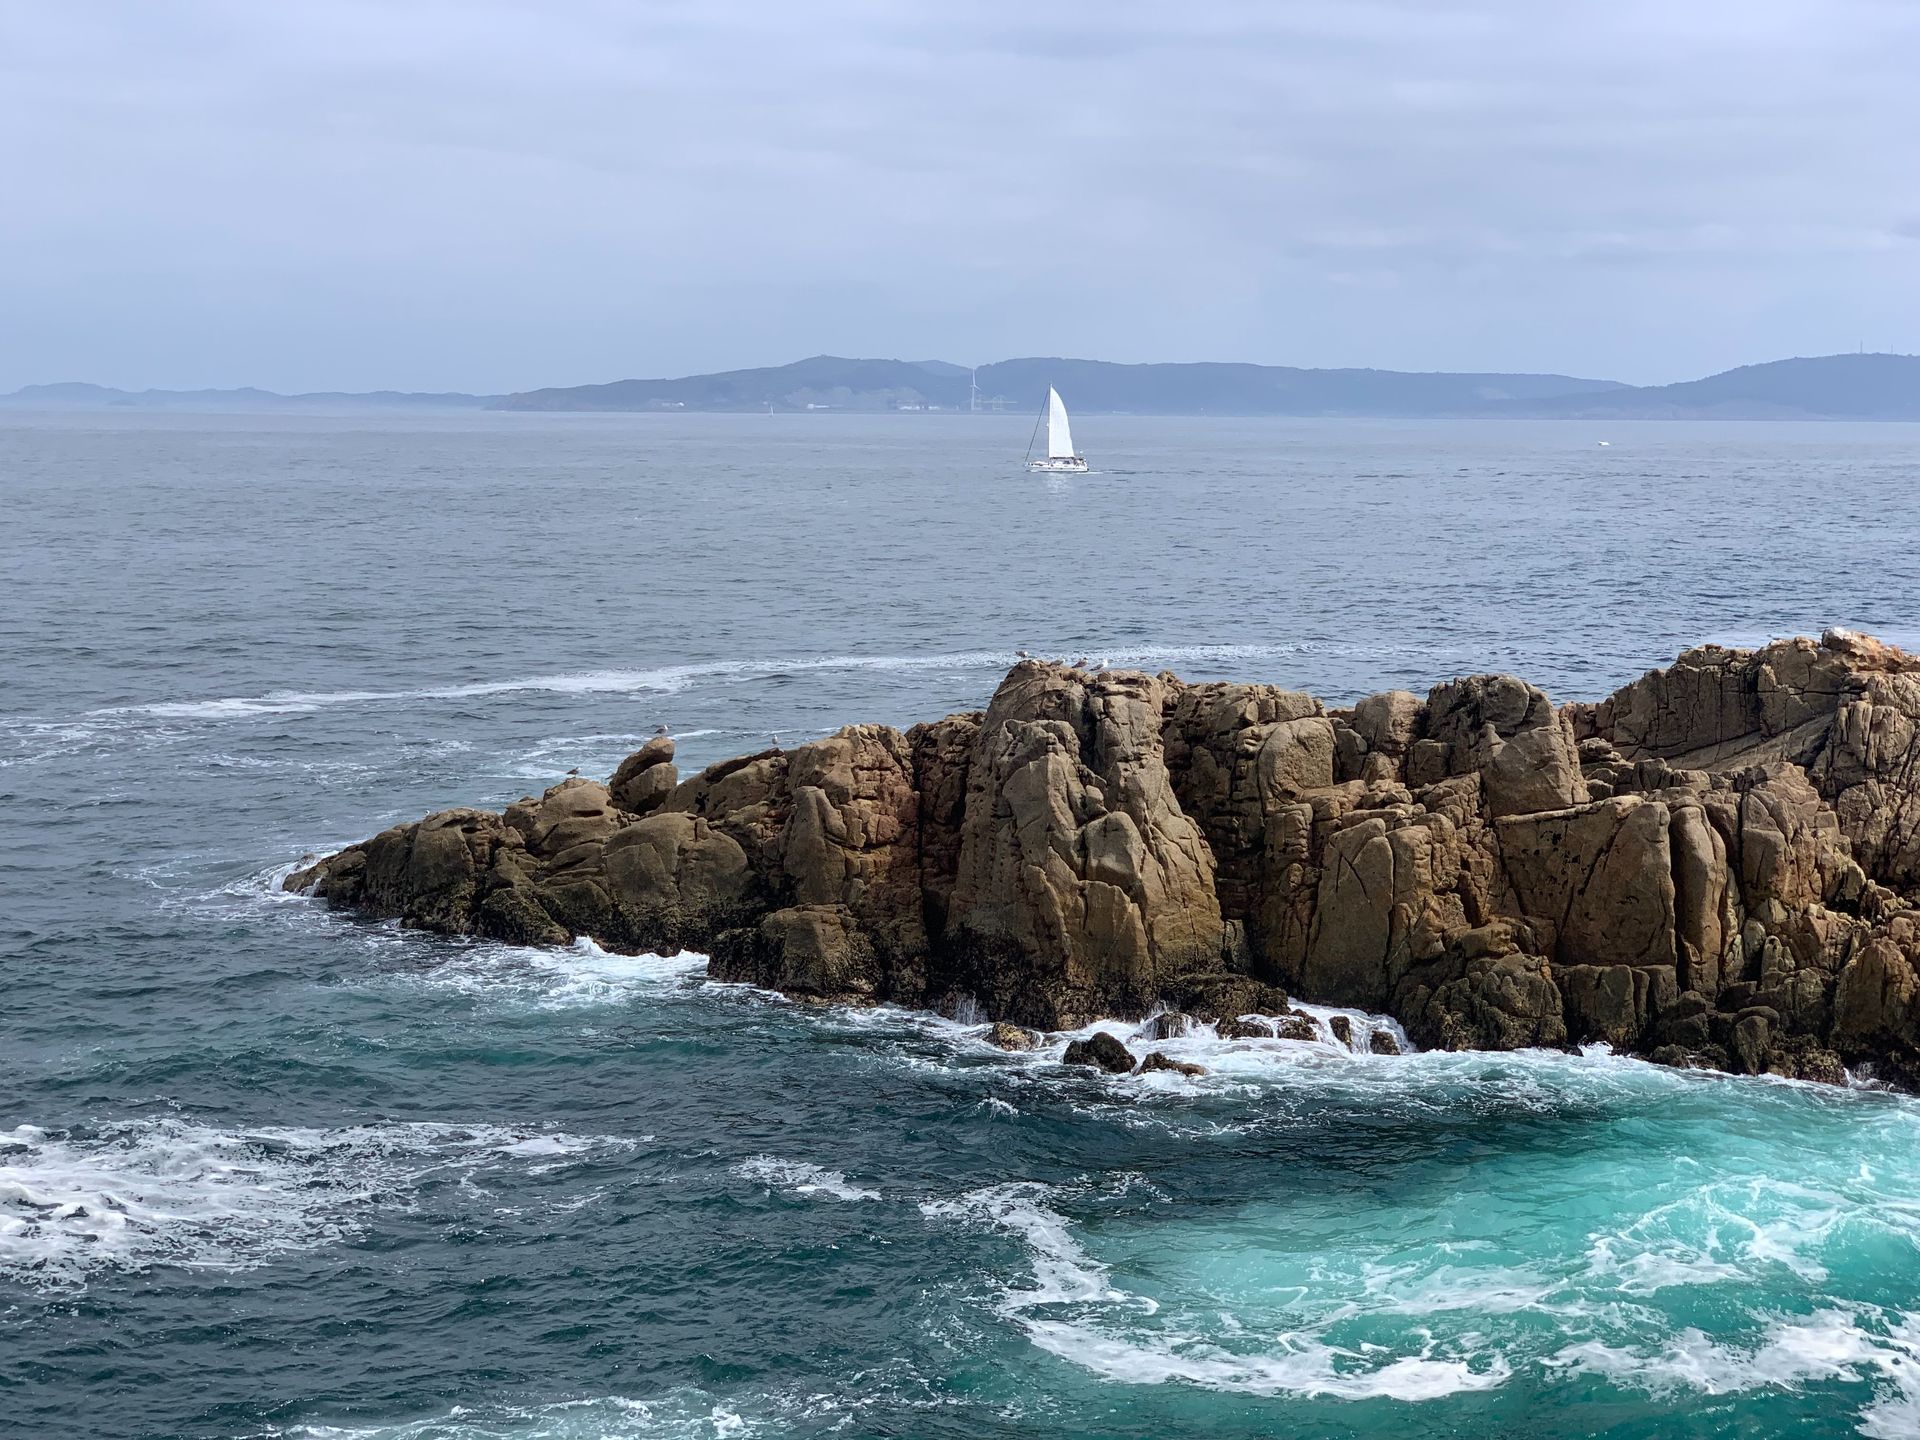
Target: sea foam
(133, 1194)
(797, 1177)
(670, 679)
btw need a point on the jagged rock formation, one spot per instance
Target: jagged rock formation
(1718, 865)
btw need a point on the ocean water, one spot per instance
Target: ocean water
(267, 1171)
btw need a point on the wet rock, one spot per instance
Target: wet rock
(1381, 1042)
(1342, 1029)
(1298, 1025)
(1246, 1027)
(1168, 1025)
(1752, 1038)
(1217, 996)
(1004, 1036)
(1483, 995)
(1100, 1051)
(1158, 1061)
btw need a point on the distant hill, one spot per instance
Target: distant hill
(1827, 387)
(1090, 386)
(1823, 387)
(75, 395)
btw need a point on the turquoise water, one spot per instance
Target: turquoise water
(266, 1171)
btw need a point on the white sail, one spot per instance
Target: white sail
(1059, 437)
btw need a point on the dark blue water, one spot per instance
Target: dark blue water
(270, 1172)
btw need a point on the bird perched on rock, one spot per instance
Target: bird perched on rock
(574, 771)
(659, 729)
(1081, 663)
(1020, 655)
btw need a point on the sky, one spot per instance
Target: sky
(491, 195)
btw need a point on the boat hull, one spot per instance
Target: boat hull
(1067, 465)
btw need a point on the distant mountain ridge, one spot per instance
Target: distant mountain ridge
(1092, 386)
(78, 395)
(1826, 387)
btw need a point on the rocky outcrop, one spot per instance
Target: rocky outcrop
(1718, 865)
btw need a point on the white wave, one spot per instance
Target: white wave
(799, 1178)
(543, 763)
(669, 679)
(1830, 1344)
(1062, 1272)
(1725, 1230)
(1302, 1364)
(581, 975)
(678, 1415)
(132, 1194)
(1300, 1367)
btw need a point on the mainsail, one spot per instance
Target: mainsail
(1059, 437)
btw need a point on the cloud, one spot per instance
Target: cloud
(491, 194)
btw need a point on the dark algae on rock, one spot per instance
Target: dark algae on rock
(1716, 866)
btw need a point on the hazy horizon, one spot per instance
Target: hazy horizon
(491, 197)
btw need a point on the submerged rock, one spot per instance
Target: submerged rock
(1720, 863)
(1246, 1027)
(1159, 1061)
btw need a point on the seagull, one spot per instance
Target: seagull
(574, 771)
(1081, 663)
(659, 730)
(1020, 654)
(1605, 443)
(776, 742)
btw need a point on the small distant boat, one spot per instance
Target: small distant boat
(1060, 458)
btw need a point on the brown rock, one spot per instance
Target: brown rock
(1158, 1061)
(1298, 1025)
(1100, 1051)
(1744, 890)
(1601, 876)
(675, 880)
(1508, 731)
(1167, 1025)
(1003, 1036)
(1751, 1045)
(1252, 1027)
(1475, 1000)
(645, 778)
(1082, 886)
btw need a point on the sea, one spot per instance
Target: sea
(268, 1171)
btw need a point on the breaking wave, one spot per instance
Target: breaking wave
(796, 1177)
(134, 1194)
(671, 679)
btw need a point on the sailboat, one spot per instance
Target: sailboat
(1060, 458)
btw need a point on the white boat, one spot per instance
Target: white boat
(1060, 458)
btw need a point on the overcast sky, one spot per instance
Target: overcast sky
(490, 194)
